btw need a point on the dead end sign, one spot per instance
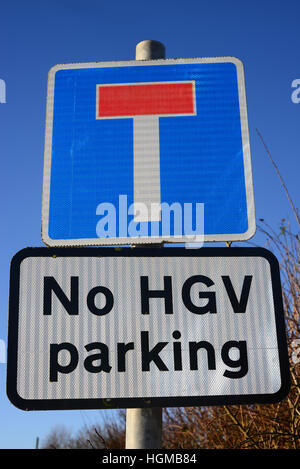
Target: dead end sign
(146, 327)
(127, 142)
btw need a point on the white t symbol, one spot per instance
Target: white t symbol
(146, 103)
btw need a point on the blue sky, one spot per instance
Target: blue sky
(35, 35)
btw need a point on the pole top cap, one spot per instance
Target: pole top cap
(149, 50)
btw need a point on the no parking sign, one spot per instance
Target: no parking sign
(100, 327)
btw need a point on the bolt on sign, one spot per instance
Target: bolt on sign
(100, 327)
(147, 152)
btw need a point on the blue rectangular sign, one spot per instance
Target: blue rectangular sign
(147, 152)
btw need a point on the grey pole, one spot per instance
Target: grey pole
(150, 50)
(144, 426)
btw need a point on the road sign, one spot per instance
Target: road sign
(100, 327)
(147, 151)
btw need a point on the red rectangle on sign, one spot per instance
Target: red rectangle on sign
(145, 99)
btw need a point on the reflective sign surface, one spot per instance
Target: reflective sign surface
(147, 151)
(91, 328)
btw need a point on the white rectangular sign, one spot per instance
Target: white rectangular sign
(100, 327)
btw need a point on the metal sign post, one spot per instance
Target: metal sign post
(144, 425)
